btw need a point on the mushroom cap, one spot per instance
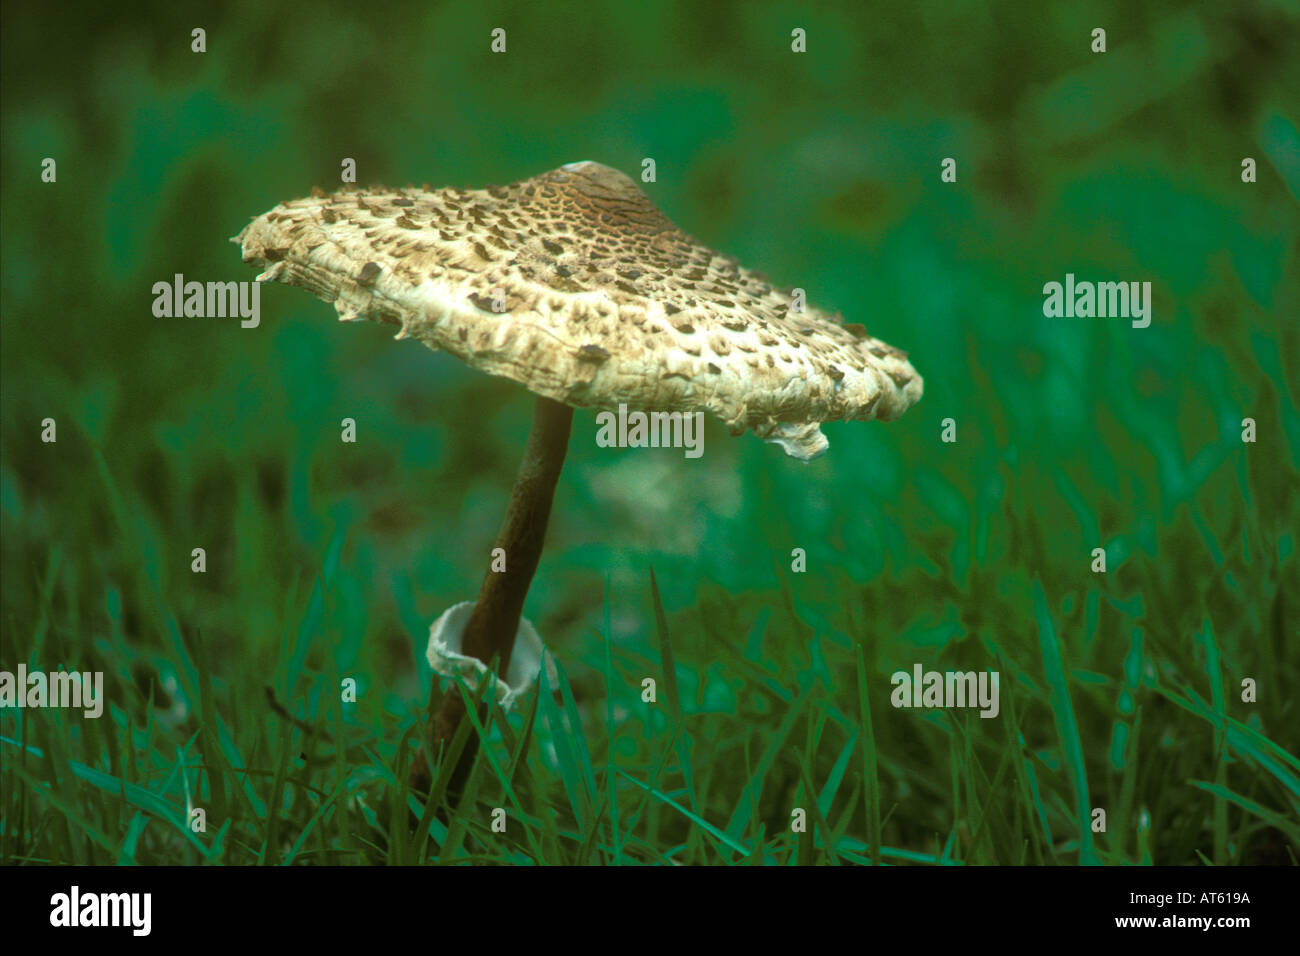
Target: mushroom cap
(574, 285)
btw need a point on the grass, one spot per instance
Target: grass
(739, 735)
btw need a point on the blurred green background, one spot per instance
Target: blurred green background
(821, 169)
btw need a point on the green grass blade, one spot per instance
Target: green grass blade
(699, 821)
(871, 779)
(1067, 729)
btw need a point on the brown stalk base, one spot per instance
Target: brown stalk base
(490, 631)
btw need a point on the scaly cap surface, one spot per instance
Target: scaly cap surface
(603, 301)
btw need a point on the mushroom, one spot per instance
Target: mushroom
(574, 285)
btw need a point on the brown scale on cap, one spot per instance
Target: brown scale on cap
(607, 301)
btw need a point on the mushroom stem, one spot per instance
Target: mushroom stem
(490, 631)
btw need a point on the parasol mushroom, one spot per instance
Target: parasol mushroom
(574, 285)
